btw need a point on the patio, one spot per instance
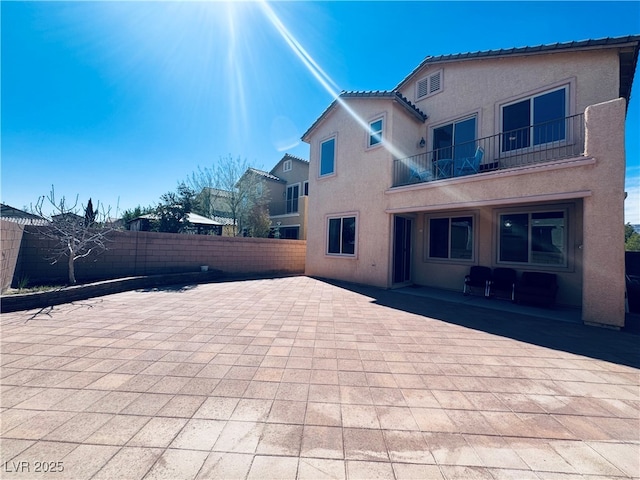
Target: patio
(299, 378)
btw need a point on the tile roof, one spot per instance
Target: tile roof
(609, 42)
(628, 61)
(293, 157)
(16, 215)
(390, 94)
(262, 173)
(287, 156)
(191, 218)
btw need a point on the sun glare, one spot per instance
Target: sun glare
(212, 49)
(316, 70)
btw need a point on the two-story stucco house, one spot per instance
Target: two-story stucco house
(287, 190)
(509, 158)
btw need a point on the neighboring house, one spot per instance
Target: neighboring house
(68, 218)
(15, 215)
(201, 225)
(507, 158)
(286, 192)
(217, 202)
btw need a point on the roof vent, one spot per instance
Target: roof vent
(429, 85)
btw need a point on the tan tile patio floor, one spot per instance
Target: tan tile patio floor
(298, 378)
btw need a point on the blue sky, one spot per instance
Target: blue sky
(119, 101)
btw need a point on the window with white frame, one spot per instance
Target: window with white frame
(328, 157)
(429, 85)
(305, 188)
(451, 238)
(375, 132)
(341, 238)
(535, 238)
(286, 166)
(536, 120)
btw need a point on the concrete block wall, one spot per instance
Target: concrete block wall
(150, 253)
(10, 239)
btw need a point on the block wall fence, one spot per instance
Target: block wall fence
(150, 253)
(10, 241)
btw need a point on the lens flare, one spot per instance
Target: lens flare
(319, 74)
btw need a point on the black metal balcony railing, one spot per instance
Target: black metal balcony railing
(535, 144)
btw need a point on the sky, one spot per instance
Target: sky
(120, 101)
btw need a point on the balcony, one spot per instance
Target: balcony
(540, 143)
(285, 207)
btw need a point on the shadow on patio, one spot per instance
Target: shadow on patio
(551, 328)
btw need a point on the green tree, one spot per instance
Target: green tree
(631, 239)
(633, 244)
(89, 214)
(173, 210)
(628, 231)
(132, 214)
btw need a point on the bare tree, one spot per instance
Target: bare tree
(258, 222)
(74, 235)
(230, 188)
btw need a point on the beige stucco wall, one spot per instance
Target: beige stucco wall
(604, 285)
(481, 86)
(298, 174)
(297, 219)
(357, 188)
(450, 274)
(589, 187)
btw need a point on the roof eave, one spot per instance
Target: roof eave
(378, 94)
(585, 45)
(319, 120)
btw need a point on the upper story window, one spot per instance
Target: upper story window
(535, 120)
(328, 157)
(286, 166)
(429, 85)
(375, 132)
(305, 188)
(293, 192)
(455, 140)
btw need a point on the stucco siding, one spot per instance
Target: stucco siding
(299, 172)
(450, 274)
(481, 87)
(361, 177)
(603, 293)
(588, 187)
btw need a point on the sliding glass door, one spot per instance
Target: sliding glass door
(455, 140)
